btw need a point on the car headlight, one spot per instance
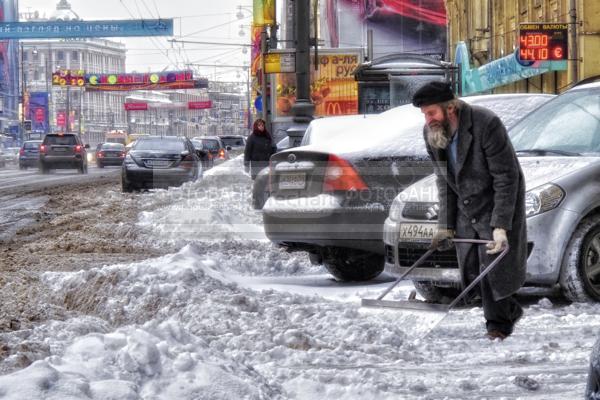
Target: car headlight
(396, 209)
(128, 159)
(543, 198)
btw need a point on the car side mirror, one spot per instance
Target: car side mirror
(87, 146)
(185, 153)
(228, 148)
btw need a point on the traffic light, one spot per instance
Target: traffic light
(27, 125)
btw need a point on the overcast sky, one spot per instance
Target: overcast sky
(201, 20)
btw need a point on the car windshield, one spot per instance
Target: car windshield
(159, 144)
(61, 140)
(210, 144)
(232, 141)
(568, 125)
(113, 146)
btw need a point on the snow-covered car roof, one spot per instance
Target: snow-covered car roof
(399, 130)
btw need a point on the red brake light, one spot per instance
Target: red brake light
(22, 152)
(78, 149)
(100, 154)
(43, 149)
(123, 154)
(222, 153)
(340, 175)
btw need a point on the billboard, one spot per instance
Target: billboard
(37, 112)
(9, 72)
(399, 26)
(333, 88)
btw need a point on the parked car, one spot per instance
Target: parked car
(234, 144)
(205, 156)
(160, 161)
(215, 146)
(558, 146)
(319, 130)
(331, 198)
(29, 154)
(63, 150)
(110, 154)
(11, 155)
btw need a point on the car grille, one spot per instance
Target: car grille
(420, 211)
(440, 259)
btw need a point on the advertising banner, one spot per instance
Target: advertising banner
(37, 112)
(333, 88)
(79, 29)
(263, 12)
(399, 26)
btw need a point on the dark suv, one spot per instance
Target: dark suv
(63, 151)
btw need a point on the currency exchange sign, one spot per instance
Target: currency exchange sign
(80, 29)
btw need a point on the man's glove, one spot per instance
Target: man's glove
(500, 241)
(441, 240)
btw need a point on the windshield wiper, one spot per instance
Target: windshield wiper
(543, 152)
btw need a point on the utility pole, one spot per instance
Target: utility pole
(303, 110)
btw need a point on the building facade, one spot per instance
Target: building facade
(490, 30)
(73, 109)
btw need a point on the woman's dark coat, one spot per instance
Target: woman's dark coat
(259, 148)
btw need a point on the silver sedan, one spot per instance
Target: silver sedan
(559, 150)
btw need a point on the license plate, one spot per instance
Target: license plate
(158, 163)
(419, 232)
(292, 181)
(60, 149)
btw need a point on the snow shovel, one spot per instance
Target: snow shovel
(427, 315)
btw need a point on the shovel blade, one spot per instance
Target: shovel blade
(415, 318)
(410, 305)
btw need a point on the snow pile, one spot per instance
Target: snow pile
(196, 334)
(215, 207)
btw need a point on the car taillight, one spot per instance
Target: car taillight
(22, 152)
(78, 149)
(123, 154)
(222, 153)
(340, 175)
(100, 154)
(43, 149)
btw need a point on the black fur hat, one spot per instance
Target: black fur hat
(433, 93)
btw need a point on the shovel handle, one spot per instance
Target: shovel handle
(408, 271)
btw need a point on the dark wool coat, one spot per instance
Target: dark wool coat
(487, 192)
(259, 149)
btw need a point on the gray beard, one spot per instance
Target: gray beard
(438, 137)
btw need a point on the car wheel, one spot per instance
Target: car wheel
(81, 168)
(435, 294)
(126, 186)
(352, 265)
(580, 271)
(100, 165)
